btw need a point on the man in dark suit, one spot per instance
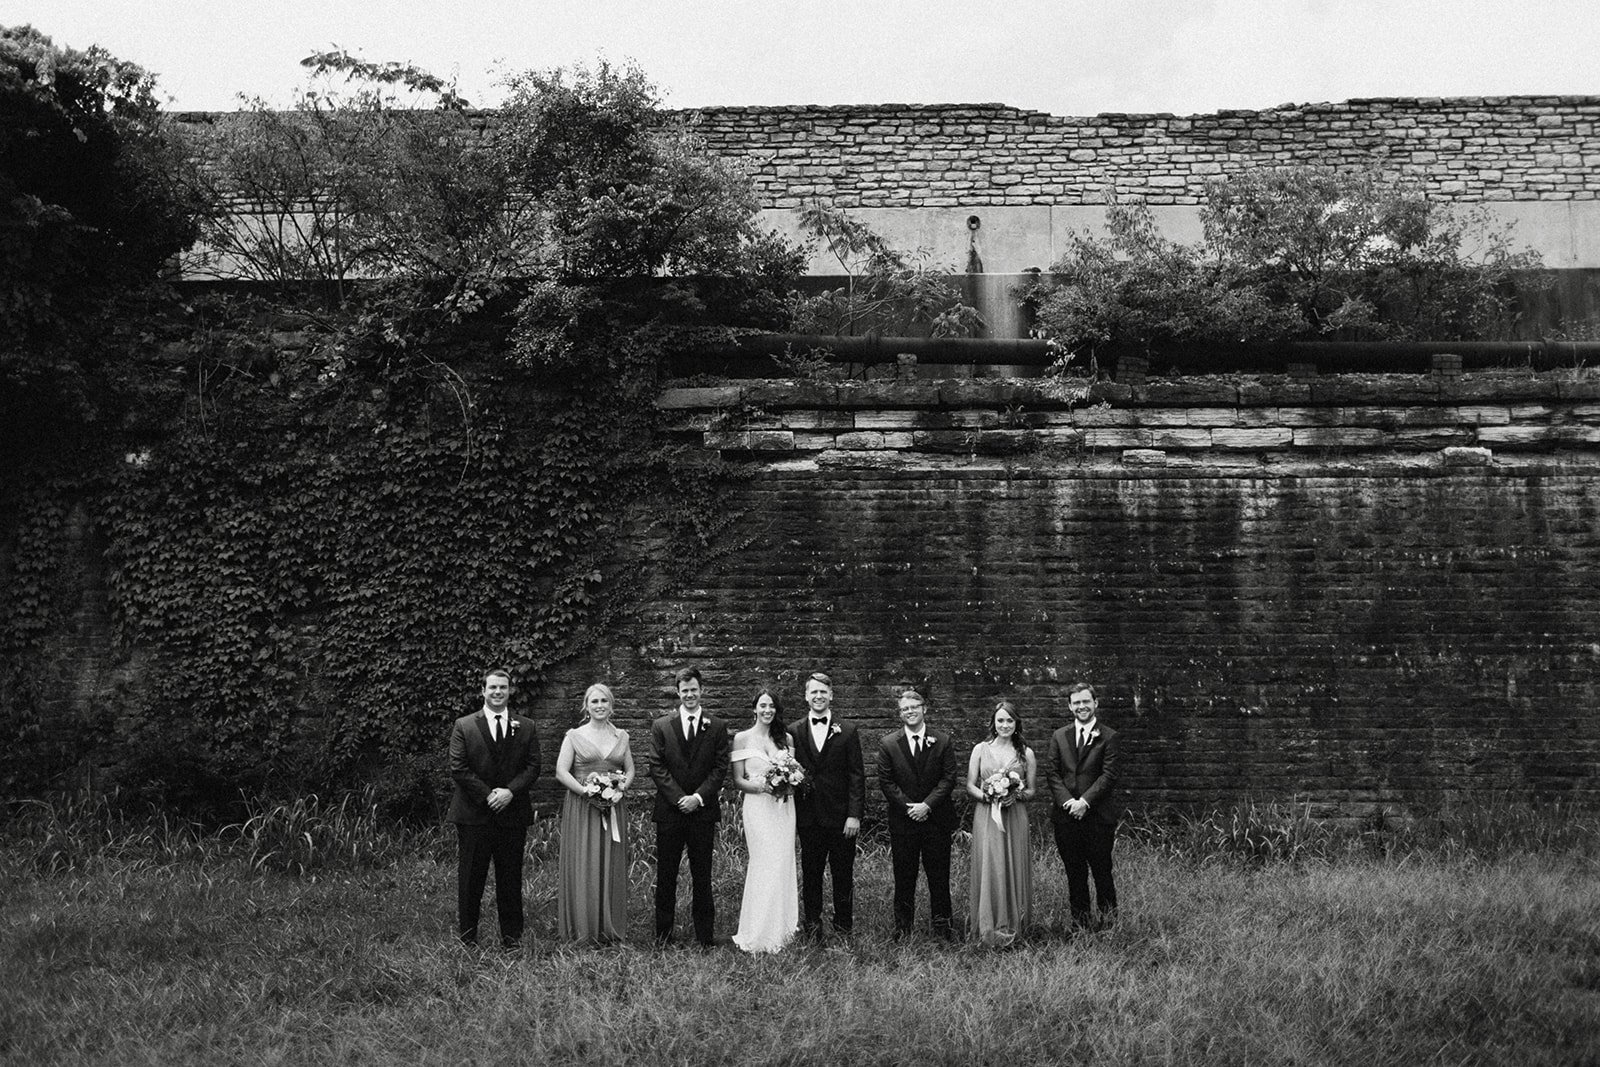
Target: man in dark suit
(494, 760)
(828, 815)
(917, 773)
(691, 760)
(1082, 768)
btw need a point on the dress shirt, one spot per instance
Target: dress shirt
(1084, 730)
(819, 732)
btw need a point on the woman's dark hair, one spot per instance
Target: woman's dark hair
(1016, 735)
(776, 730)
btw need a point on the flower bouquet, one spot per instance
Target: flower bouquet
(604, 789)
(784, 776)
(1001, 790)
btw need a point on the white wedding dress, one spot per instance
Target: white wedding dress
(769, 913)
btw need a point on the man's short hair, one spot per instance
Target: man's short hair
(1080, 687)
(497, 671)
(818, 676)
(689, 674)
(914, 693)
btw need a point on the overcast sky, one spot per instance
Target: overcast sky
(1070, 57)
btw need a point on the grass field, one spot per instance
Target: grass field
(314, 934)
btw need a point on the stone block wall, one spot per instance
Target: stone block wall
(1370, 596)
(890, 155)
(934, 155)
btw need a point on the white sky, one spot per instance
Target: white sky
(1069, 57)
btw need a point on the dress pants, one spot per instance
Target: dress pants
(1085, 848)
(476, 847)
(929, 849)
(826, 846)
(698, 837)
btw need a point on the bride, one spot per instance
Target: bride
(769, 914)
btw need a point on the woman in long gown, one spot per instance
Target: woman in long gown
(592, 898)
(769, 913)
(1000, 893)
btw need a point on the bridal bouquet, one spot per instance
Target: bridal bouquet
(785, 775)
(603, 789)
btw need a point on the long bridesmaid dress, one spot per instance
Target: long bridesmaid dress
(592, 898)
(1000, 890)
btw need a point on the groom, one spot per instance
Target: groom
(917, 773)
(827, 817)
(691, 760)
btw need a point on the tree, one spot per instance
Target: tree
(94, 202)
(648, 238)
(1302, 252)
(383, 176)
(887, 291)
(92, 196)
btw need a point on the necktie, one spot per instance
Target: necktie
(1083, 739)
(499, 729)
(916, 744)
(689, 733)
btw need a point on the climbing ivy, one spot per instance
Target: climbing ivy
(309, 570)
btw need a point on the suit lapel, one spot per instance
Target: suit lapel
(807, 740)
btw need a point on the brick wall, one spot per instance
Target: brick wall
(1371, 597)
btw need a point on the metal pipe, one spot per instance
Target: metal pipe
(1332, 356)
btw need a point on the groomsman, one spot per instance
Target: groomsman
(1082, 767)
(828, 817)
(494, 760)
(691, 760)
(917, 773)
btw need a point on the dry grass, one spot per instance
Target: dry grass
(157, 944)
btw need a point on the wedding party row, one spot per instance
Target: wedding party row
(803, 782)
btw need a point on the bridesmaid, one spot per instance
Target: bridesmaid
(592, 897)
(1000, 893)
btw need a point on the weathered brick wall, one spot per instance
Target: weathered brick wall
(1469, 148)
(1370, 597)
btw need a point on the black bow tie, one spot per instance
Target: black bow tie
(819, 722)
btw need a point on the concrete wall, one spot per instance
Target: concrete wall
(1031, 177)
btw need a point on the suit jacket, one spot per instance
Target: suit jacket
(1092, 778)
(838, 775)
(478, 765)
(681, 767)
(927, 779)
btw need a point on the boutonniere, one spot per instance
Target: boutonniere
(833, 731)
(929, 742)
(513, 731)
(1094, 734)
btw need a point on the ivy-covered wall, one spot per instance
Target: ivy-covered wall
(298, 580)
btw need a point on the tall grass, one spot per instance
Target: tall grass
(1249, 936)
